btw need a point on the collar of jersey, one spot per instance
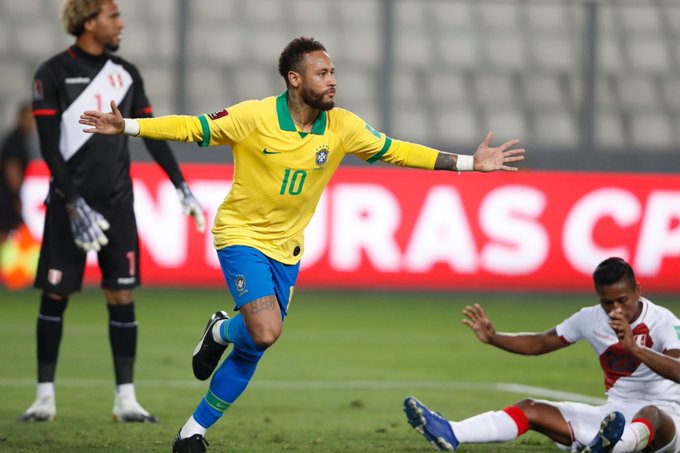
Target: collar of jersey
(87, 56)
(286, 122)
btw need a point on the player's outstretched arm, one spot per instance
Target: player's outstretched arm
(519, 343)
(111, 123)
(485, 159)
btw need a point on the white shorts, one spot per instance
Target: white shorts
(584, 419)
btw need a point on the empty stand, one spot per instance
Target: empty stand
(458, 67)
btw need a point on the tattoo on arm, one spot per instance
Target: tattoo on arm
(267, 303)
(445, 161)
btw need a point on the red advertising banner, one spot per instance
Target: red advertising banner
(379, 227)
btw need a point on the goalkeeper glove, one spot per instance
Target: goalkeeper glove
(191, 206)
(87, 225)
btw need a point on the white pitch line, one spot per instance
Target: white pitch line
(526, 390)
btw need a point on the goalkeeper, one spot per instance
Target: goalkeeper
(90, 205)
(286, 148)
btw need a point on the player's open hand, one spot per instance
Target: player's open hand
(487, 158)
(103, 123)
(479, 323)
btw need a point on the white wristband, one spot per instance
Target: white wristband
(465, 163)
(131, 127)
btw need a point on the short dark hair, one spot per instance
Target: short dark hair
(293, 54)
(613, 270)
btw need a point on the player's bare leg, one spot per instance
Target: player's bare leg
(262, 318)
(256, 327)
(546, 419)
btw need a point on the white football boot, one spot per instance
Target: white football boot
(43, 409)
(127, 409)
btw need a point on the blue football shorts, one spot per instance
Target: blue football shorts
(250, 275)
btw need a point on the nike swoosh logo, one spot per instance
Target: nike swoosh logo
(266, 151)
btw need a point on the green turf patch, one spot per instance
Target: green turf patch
(334, 382)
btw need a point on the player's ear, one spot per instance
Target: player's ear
(294, 79)
(89, 24)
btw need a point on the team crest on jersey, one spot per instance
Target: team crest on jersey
(54, 277)
(321, 156)
(641, 340)
(240, 283)
(217, 115)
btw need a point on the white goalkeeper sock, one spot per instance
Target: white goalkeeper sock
(44, 389)
(126, 391)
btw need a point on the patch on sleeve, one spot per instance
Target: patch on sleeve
(38, 93)
(217, 115)
(677, 331)
(370, 129)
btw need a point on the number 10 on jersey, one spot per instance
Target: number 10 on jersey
(292, 182)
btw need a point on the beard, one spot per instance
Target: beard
(112, 47)
(315, 100)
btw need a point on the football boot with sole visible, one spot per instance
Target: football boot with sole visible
(208, 352)
(435, 428)
(611, 430)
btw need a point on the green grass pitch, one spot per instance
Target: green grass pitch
(334, 382)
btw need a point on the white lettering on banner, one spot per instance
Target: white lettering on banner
(522, 234)
(509, 216)
(365, 218)
(316, 234)
(161, 224)
(442, 234)
(577, 237)
(659, 233)
(211, 195)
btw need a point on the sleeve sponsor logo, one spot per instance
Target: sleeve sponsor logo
(217, 115)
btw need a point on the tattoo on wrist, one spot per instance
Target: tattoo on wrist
(445, 162)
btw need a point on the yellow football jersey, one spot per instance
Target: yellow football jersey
(280, 172)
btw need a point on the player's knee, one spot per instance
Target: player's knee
(55, 296)
(526, 403)
(265, 336)
(530, 408)
(650, 413)
(118, 297)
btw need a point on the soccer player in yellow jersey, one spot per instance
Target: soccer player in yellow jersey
(286, 148)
